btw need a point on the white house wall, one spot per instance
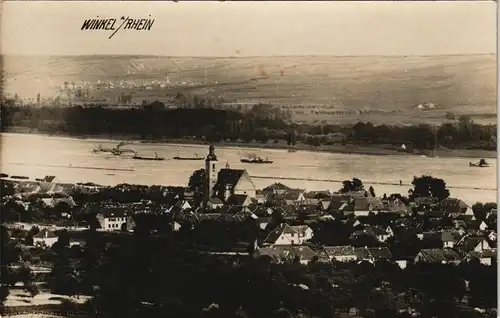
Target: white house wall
(115, 225)
(245, 186)
(49, 241)
(283, 240)
(344, 258)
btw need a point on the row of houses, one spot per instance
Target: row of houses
(307, 254)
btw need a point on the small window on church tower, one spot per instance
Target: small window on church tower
(213, 166)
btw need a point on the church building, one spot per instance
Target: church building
(226, 182)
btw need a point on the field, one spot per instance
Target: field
(316, 88)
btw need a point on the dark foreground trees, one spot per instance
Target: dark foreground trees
(153, 278)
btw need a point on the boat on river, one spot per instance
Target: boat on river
(187, 158)
(481, 164)
(256, 160)
(156, 157)
(19, 177)
(117, 151)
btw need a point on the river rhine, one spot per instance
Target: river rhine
(71, 160)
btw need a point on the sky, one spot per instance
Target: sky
(253, 28)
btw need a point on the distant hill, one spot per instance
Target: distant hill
(390, 87)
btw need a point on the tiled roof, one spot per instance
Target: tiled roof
(215, 201)
(277, 232)
(286, 252)
(237, 199)
(44, 233)
(318, 195)
(49, 178)
(450, 236)
(227, 177)
(484, 254)
(439, 255)
(378, 253)
(110, 212)
(459, 223)
(363, 204)
(332, 251)
(276, 187)
(261, 211)
(301, 229)
(325, 204)
(375, 230)
(338, 203)
(455, 203)
(362, 253)
(470, 242)
(292, 194)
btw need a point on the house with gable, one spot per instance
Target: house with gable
(473, 243)
(365, 205)
(113, 218)
(340, 204)
(260, 196)
(315, 197)
(233, 182)
(340, 253)
(457, 206)
(438, 256)
(379, 253)
(372, 255)
(380, 233)
(241, 200)
(395, 205)
(304, 231)
(323, 204)
(486, 257)
(450, 238)
(45, 237)
(483, 226)
(214, 203)
(285, 234)
(294, 197)
(279, 254)
(276, 188)
(492, 236)
(183, 205)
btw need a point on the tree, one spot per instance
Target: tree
(372, 191)
(428, 186)
(62, 242)
(481, 210)
(352, 185)
(8, 256)
(197, 180)
(62, 278)
(31, 233)
(197, 183)
(6, 188)
(24, 275)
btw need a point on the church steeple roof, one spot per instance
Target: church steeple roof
(211, 154)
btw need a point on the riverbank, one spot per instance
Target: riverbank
(366, 149)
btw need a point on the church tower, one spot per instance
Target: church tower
(211, 173)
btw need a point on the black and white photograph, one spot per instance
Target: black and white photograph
(206, 159)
